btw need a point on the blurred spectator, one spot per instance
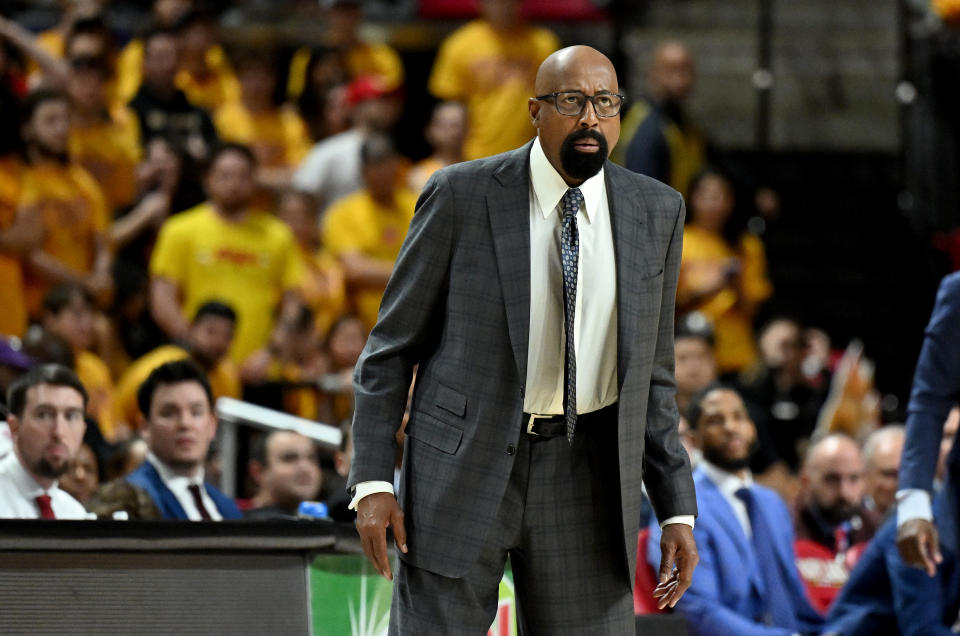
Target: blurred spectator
(335, 481)
(68, 202)
(830, 519)
(284, 466)
(54, 39)
(68, 312)
(324, 284)
(658, 137)
(224, 250)
(17, 235)
(103, 139)
(91, 37)
(695, 363)
(360, 57)
(778, 391)
(204, 75)
(746, 583)
(46, 420)
(490, 65)
(44, 66)
(161, 107)
(207, 344)
(83, 475)
(333, 169)
(323, 101)
(343, 346)
(275, 133)
(177, 408)
(723, 273)
(366, 229)
(881, 456)
(446, 133)
(127, 456)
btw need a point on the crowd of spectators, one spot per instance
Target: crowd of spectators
(182, 221)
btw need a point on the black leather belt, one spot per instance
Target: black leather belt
(548, 426)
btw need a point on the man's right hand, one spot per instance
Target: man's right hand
(919, 545)
(376, 513)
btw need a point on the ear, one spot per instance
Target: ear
(533, 106)
(14, 423)
(255, 469)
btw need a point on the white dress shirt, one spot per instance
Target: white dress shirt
(19, 490)
(179, 486)
(595, 317)
(728, 484)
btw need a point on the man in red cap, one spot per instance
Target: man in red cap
(332, 169)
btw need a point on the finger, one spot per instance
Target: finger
(666, 598)
(399, 530)
(662, 589)
(927, 551)
(666, 561)
(380, 559)
(367, 544)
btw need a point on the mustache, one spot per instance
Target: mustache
(585, 133)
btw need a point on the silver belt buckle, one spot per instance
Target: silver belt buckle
(533, 420)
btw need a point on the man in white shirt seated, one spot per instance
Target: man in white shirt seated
(178, 424)
(46, 422)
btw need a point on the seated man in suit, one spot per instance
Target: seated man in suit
(747, 582)
(887, 597)
(176, 404)
(285, 467)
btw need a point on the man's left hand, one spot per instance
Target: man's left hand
(677, 548)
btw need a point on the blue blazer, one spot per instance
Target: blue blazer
(147, 477)
(885, 597)
(727, 584)
(936, 388)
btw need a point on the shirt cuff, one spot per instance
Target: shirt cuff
(913, 503)
(365, 488)
(684, 519)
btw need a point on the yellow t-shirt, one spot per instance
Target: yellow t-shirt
(13, 302)
(356, 223)
(278, 137)
(733, 328)
(110, 151)
(224, 381)
(73, 213)
(95, 377)
(494, 76)
(211, 92)
(324, 288)
(246, 264)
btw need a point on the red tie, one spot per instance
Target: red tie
(198, 502)
(46, 510)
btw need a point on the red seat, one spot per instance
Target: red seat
(645, 580)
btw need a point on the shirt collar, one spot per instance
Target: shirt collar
(23, 480)
(549, 187)
(170, 477)
(727, 482)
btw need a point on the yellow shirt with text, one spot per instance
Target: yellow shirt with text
(247, 264)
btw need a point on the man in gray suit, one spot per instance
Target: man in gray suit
(535, 290)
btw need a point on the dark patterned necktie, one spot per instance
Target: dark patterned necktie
(569, 251)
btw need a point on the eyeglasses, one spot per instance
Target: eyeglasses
(572, 103)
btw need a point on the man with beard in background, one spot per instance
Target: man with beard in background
(747, 582)
(535, 290)
(46, 421)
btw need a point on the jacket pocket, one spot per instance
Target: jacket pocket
(451, 400)
(434, 432)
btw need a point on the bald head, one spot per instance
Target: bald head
(576, 145)
(832, 477)
(671, 72)
(881, 453)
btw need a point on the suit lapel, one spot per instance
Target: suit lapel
(167, 502)
(509, 209)
(625, 226)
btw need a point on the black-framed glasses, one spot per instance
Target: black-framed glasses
(572, 103)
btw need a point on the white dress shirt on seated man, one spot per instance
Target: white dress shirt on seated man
(19, 492)
(180, 487)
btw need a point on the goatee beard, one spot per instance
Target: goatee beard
(583, 165)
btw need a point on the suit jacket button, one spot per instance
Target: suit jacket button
(511, 449)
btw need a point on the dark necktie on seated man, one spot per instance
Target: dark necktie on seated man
(569, 256)
(778, 608)
(46, 510)
(198, 502)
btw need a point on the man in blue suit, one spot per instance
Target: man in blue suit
(886, 597)
(747, 583)
(176, 404)
(936, 389)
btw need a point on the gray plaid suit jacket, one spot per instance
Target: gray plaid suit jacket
(458, 305)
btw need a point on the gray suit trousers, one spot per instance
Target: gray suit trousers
(559, 523)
